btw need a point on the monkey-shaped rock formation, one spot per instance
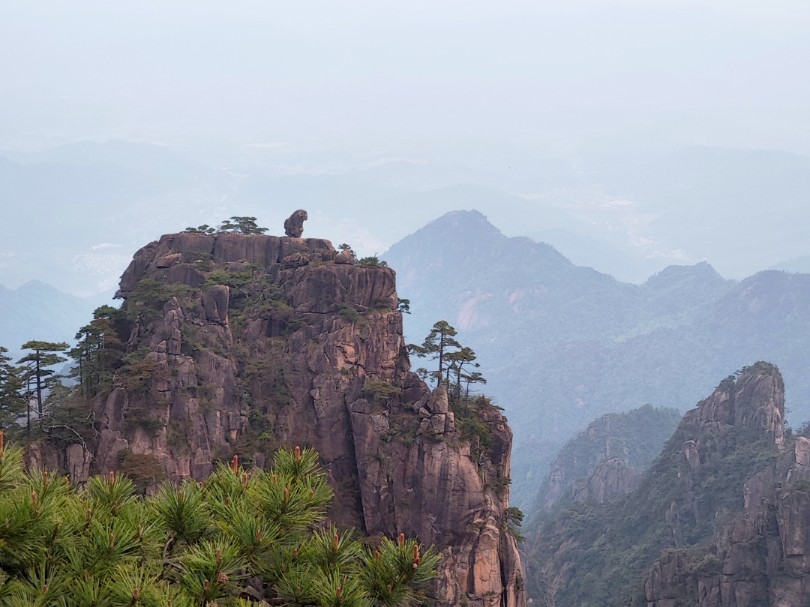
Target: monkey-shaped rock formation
(294, 224)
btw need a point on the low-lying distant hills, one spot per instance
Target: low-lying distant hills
(37, 310)
(74, 213)
(606, 459)
(562, 344)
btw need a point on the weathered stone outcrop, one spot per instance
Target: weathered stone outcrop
(754, 400)
(612, 478)
(294, 224)
(761, 556)
(242, 344)
(711, 503)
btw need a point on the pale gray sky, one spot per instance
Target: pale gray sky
(572, 120)
(555, 73)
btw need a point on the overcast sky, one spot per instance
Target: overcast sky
(553, 74)
(558, 119)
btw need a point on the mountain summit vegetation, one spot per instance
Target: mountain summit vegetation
(714, 521)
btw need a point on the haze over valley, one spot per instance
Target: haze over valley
(549, 313)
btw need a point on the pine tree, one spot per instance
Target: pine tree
(241, 538)
(438, 345)
(12, 391)
(457, 361)
(242, 225)
(45, 355)
(97, 353)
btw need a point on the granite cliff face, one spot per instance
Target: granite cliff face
(711, 504)
(761, 555)
(239, 344)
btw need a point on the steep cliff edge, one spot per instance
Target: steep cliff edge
(239, 344)
(760, 556)
(720, 461)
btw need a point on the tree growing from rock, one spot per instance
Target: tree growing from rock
(456, 363)
(97, 353)
(373, 262)
(241, 225)
(39, 364)
(437, 345)
(203, 229)
(347, 249)
(238, 224)
(403, 305)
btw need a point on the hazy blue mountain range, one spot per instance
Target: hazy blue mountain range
(39, 311)
(625, 211)
(563, 344)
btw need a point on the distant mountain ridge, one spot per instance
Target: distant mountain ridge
(37, 310)
(562, 344)
(626, 214)
(617, 447)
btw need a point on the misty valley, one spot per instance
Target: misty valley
(389, 304)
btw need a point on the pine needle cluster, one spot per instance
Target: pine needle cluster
(241, 538)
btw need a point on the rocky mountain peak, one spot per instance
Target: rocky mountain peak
(700, 274)
(605, 461)
(240, 344)
(753, 399)
(760, 555)
(715, 483)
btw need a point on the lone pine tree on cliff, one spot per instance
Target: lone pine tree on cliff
(453, 359)
(437, 344)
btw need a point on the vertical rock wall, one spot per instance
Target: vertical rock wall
(242, 344)
(761, 556)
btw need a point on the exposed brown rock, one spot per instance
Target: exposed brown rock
(294, 224)
(291, 358)
(762, 556)
(756, 401)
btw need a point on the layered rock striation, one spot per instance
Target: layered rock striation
(240, 344)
